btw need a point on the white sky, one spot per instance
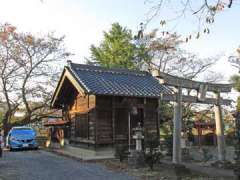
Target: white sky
(83, 21)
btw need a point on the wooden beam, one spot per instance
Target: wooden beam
(193, 99)
(66, 75)
(175, 81)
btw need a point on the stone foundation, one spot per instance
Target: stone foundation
(136, 159)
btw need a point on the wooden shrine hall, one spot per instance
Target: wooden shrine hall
(104, 105)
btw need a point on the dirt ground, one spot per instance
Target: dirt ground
(160, 172)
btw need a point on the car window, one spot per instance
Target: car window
(23, 132)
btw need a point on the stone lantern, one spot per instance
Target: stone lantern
(138, 137)
(136, 158)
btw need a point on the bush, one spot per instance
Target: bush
(152, 152)
(121, 151)
(169, 145)
(206, 155)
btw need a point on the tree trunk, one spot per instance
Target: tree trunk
(6, 121)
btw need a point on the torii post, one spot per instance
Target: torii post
(219, 127)
(201, 87)
(177, 124)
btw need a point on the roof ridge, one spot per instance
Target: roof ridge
(100, 69)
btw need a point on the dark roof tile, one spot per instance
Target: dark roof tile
(118, 82)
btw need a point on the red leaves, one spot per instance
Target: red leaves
(4, 36)
(5, 31)
(9, 28)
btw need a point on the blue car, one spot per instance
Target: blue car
(22, 138)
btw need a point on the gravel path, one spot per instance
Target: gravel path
(41, 165)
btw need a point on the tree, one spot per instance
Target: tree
(235, 59)
(235, 79)
(29, 70)
(167, 56)
(204, 11)
(117, 49)
(1, 118)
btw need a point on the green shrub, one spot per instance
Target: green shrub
(121, 151)
(206, 154)
(169, 144)
(152, 152)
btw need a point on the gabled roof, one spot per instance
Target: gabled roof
(115, 82)
(120, 82)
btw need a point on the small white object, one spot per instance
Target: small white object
(183, 143)
(25, 145)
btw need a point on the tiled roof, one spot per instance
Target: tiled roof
(117, 82)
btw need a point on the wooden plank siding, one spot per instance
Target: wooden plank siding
(151, 128)
(104, 133)
(112, 118)
(104, 119)
(121, 125)
(82, 112)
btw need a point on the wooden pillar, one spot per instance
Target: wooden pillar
(88, 118)
(158, 119)
(144, 122)
(214, 137)
(95, 126)
(219, 128)
(129, 131)
(113, 120)
(199, 135)
(177, 127)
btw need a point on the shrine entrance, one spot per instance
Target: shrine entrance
(205, 138)
(201, 89)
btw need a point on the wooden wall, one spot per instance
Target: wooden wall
(104, 122)
(112, 118)
(151, 119)
(82, 116)
(105, 118)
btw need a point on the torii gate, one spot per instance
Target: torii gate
(201, 87)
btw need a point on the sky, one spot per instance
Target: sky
(83, 23)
